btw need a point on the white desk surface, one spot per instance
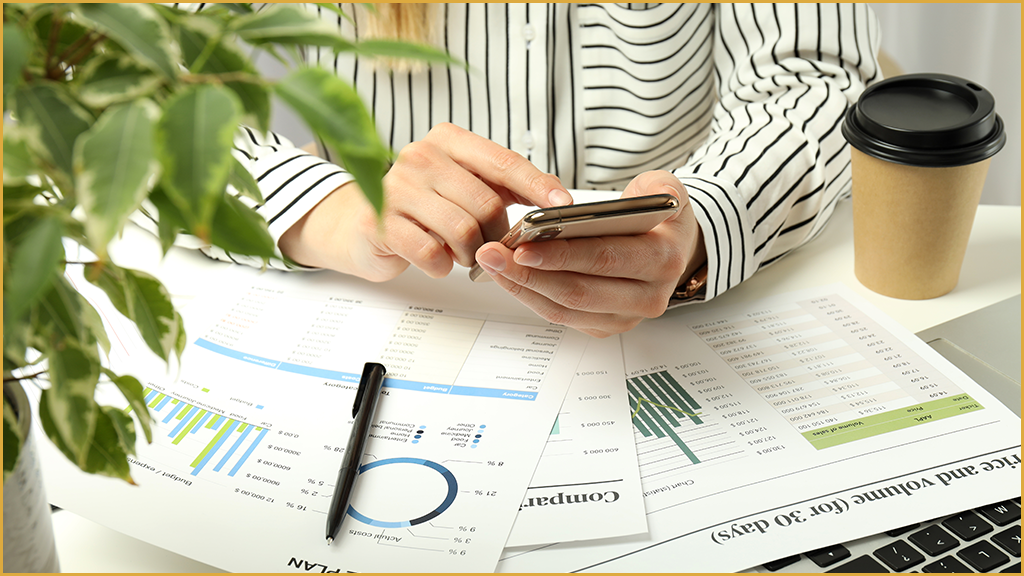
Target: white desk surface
(991, 272)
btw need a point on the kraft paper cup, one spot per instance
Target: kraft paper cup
(920, 150)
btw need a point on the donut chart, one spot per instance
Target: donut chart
(445, 503)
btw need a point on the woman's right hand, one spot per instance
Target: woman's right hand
(444, 197)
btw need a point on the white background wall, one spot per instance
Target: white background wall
(980, 42)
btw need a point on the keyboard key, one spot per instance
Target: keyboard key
(983, 556)
(899, 556)
(967, 525)
(862, 564)
(781, 563)
(1012, 569)
(901, 531)
(828, 555)
(1002, 513)
(1009, 540)
(934, 540)
(947, 564)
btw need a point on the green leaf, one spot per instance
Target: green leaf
(242, 180)
(12, 438)
(287, 24)
(102, 454)
(114, 161)
(63, 313)
(194, 140)
(170, 221)
(139, 30)
(200, 36)
(133, 392)
(333, 108)
(51, 121)
(34, 263)
(406, 50)
(143, 300)
(74, 372)
(16, 51)
(123, 426)
(110, 79)
(107, 455)
(239, 229)
(18, 195)
(369, 171)
(17, 158)
(179, 345)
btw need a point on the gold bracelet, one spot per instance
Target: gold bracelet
(692, 287)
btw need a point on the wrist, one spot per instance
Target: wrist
(316, 239)
(693, 280)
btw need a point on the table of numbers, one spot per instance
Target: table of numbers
(831, 371)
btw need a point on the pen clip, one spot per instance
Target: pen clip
(360, 392)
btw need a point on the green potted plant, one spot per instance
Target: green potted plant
(108, 105)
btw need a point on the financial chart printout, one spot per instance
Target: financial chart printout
(587, 484)
(249, 436)
(794, 422)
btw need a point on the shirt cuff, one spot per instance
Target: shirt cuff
(722, 215)
(293, 182)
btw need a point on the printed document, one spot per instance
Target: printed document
(775, 427)
(249, 435)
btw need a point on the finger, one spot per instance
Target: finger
(417, 246)
(590, 323)
(574, 291)
(657, 182)
(644, 257)
(500, 166)
(428, 186)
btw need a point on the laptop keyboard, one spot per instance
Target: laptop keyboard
(986, 539)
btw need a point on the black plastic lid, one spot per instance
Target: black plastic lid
(925, 120)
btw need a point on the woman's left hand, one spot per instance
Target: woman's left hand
(604, 285)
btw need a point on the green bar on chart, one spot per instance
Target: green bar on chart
(210, 446)
(199, 415)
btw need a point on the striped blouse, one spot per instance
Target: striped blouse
(742, 102)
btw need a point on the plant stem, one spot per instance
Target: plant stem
(29, 377)
(51, 46)
(83, 51)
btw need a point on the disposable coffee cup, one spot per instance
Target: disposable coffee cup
(920, 150)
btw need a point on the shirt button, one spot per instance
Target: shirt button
(528, 32)
(528, 140)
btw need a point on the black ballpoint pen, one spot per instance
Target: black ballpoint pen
(365, 405)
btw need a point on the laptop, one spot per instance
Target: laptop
(985, 345)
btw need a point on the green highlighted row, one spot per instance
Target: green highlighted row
(931, 411)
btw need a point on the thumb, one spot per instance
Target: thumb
(658, 182)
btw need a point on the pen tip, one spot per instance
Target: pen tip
(329, 540)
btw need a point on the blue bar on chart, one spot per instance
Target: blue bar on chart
(237, 437)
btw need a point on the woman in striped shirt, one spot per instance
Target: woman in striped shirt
(734, 108)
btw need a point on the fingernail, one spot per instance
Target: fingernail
(491, 260)
(527, 258)
(559, 198)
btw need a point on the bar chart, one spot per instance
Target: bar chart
(224, 442)
(661, 406)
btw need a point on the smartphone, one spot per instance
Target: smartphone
(621, 217)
